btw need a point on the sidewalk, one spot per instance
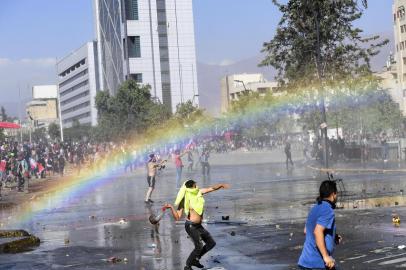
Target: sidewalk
(11, 197)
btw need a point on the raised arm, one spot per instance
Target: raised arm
(214, 188)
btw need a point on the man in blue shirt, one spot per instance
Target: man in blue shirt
(320, 231)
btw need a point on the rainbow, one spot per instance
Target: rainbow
(67, 190)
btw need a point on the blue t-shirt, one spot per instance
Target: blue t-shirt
(322, 214)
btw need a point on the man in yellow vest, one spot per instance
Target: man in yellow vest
(191, 202)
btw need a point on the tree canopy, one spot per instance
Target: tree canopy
(130, 111)
(319, 33)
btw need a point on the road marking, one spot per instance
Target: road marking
(354, 258)
(387, 257)
(393, 261)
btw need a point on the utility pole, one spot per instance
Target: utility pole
(59, 99)
(19, 114)
(324, 127)
(243, 84)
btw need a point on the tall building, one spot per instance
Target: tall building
(397, 65)
(150, 41)
(110, 39)
(78, 83)
(233, 86)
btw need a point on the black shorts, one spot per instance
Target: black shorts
(151, 181)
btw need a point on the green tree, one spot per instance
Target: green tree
(130, 111)
(3, 114)
(317, 39)
(320, 55)
(187, 111)
(54, 131)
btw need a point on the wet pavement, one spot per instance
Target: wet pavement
(111, 220)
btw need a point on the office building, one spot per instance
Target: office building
(78, 85)
(43, 109)
(151, 42)
(234, 86)
(394, 77)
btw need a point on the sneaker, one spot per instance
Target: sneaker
(147, 202)
(151, 201)
(197, 264)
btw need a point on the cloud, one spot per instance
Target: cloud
(20, 75)
(226, 62)
(42, 62)
(4, 61)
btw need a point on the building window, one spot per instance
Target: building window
(75, 77)
(78, 117)
(131, 9)
(401, 12)
(136, 77)
(72, 99)
(73, 88)
(134, 47)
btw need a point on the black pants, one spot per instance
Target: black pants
(205, 167)
(21, 182)
(198, 234)
(288, 159)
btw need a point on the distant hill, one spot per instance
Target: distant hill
(209, 76)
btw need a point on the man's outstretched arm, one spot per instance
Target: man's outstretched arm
(214, 188)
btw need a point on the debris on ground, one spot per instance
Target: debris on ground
(232, 233)
(66, 240)
(216, 261)
(92, 217)
(401, 247)
(225, 217)
(114, 260)
(396, 220)
(123, 221)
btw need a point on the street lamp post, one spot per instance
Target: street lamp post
(317, 16)
(243, 84)
(31, 121)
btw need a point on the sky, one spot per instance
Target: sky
(34, 33)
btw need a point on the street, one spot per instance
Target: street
(267, 207)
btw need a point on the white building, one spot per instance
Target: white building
(42, 110)
(44, 91)
(78, 85)
(151, 42)
(233, 86)
(397, 66)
